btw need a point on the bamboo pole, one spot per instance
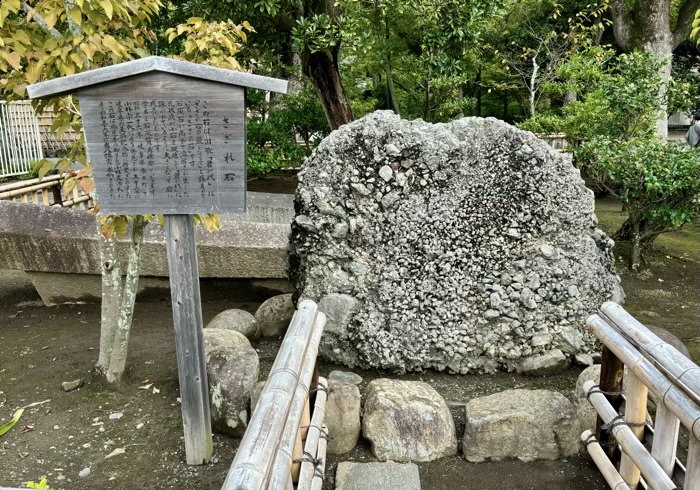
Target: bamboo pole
(282, 465)
(631, 446)
(666, 392)
(320, 473)
(45, 198)
(692, 466)
(308, 468)
(35, 197)
(612, 477)
(668, 358)
(635, 413)
(19, 190)
(256, 451)
(663, 449)
(28, 182)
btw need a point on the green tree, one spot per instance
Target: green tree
(657, 27)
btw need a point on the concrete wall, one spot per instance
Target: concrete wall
(40, 239)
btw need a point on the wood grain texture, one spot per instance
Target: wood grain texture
(189, 337)
(635, 412)
(692, 471)
(611, 374)
(166, 144)
(74, 83)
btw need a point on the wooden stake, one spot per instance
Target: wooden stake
(692, 466)
(189, 336)
(663, 449)
(635, 412)
(611, 373)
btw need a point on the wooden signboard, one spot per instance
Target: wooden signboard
(168, 137)
(166, 144)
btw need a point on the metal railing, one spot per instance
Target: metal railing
(20, 142)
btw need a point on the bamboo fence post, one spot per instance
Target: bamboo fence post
(600, 458)
(320, 473)
(687, 410)
(667, 357)
(283, 460)
(308, 468)
(635, 413)
(666, 428)
(692, 465)
(256, 451)
(631, 446)
(45, 197)
(35, 197)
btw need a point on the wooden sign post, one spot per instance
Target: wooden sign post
(168, 137)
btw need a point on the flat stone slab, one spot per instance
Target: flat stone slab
(377, 476)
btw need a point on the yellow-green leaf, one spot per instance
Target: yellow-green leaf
(13, 59)
(121, 224)
(107, 7)
(112, 44)
(75, 15)
(22, 37)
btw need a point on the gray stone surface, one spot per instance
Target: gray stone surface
(237, 320)
(342, 416)
(480, 238)
(520, 424)
(72, 385)
(550, 362)
(584, 410)
(407, 421)
(377, 476)
(64, 240)
(232, 371)
(274, 315)
(345, 377)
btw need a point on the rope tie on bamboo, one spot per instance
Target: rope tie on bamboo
(318, 473)
(617, 421)
(323, 434)
(308, 458)
(596, 389)
(320, 387)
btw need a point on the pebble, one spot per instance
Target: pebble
(115, 415)
(140, 425)
(72, 385)
(84, 472)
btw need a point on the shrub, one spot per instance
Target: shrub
(658, 183)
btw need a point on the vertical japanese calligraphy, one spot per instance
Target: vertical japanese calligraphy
(166, 151)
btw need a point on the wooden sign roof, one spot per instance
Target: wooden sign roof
(80, 81)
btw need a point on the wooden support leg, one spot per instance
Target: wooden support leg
(692, 466)
(189, 336)
(635, 413)
(611, 373)
(666, 428)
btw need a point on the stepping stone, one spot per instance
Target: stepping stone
(378, 476)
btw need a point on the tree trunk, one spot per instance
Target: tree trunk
(647, 27)
(477, 89)
(532, 87)
(505, 105)
(648, 233)
(569, 97)
(117, 365)
(391, 102)
(111, 298)
(322, 68)
(635, 254)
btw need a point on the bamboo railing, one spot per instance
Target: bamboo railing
(674, 380)
(47, 192)
(272, 453)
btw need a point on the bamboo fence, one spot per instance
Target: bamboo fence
(653, 367)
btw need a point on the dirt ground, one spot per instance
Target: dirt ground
(40, 347)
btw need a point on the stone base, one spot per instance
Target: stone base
(384, 476)
(60, 288)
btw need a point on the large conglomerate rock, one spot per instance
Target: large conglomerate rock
(467, 246)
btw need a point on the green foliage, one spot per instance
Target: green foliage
(657, 182)
(695, 32)
(274, 128)
(618, 96)
(319, 32)
(211, 43)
